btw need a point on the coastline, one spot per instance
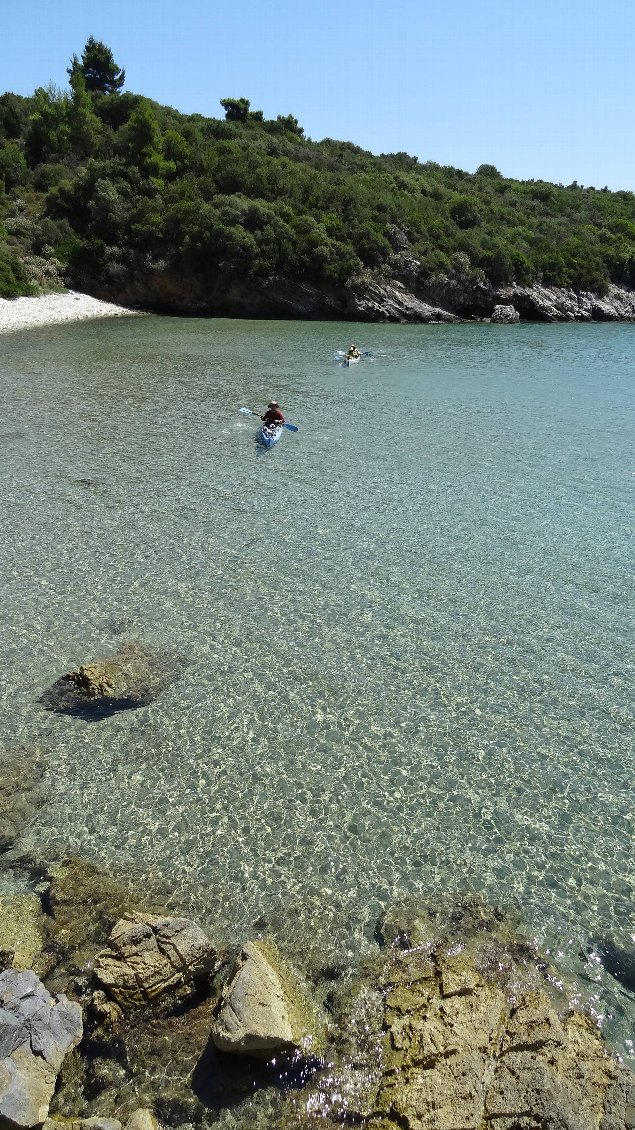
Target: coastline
(370, 300)
(52, 309)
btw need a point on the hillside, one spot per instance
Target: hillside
(126, 199)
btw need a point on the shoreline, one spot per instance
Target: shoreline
(54, 309)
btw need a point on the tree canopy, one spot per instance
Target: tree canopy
(98, 67)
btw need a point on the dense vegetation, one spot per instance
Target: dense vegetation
(96, 183)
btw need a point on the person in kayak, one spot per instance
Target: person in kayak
(352, 352)
(273, 417)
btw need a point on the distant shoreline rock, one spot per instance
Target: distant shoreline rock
(368, 298)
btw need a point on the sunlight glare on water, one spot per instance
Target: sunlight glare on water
(406, 631)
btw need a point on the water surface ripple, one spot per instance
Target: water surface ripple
(407, 629)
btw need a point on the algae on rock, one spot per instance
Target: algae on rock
(22, 933)
(132, 677)
(463, 1030)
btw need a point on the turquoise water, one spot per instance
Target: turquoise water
(407, 630)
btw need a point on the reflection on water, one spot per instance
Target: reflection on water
(404, 629)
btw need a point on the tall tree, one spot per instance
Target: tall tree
(85, 128)
(98, 67)
(237, 110)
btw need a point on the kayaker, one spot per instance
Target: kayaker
(273, 417)
(353, 351)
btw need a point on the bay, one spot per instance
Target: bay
(406, 631)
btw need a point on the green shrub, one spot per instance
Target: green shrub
(13, 278)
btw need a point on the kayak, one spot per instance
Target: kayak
(270, 436)
(351, 360)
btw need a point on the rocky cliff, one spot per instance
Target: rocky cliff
(369, 297)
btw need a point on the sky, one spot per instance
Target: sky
(542, 89)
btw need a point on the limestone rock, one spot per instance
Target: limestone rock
(142, 1119)
(36, 1032)
(457, 1034)
(21, 936)
(132, 677)
(150, 955)
(374, 300)
(506, 315)
(265, 1010)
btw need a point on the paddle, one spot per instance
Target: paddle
(250, 412)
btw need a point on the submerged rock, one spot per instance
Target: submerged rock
(83, 1124)
(618, 958)
(151, 955)
(36, 1032)
(265, 1009)
(132, 677)
(21, 791)
(21, 931)
(83, 902)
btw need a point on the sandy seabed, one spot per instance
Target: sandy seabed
(47, 309)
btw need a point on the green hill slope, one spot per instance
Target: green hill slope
(108, 190)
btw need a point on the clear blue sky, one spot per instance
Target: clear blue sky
(542, 88)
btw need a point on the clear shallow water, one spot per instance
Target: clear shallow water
(407, 629)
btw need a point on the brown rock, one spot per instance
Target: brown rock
(150, 955)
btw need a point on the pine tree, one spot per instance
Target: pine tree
(98, 67)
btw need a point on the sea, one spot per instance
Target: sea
(404, 634)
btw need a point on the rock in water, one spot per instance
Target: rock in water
(132, 677)
(151, 955)
(465, 1032)
(36, 1032)
(21, 933)
(265, 1010)
(506, 315)
(618, 958)
(21, 791)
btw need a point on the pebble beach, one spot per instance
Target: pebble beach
(49, 309)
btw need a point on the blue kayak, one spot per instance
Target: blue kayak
(270, 436)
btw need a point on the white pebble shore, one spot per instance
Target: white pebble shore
(47, 309)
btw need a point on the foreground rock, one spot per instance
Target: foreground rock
(83, 1124)
(150, 956)
(36, 1032)
(265, 1010)
(132, 677)
(140, 1119)
(466, 1035)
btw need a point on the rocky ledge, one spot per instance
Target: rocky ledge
(396, 293)
(366, 298)
(138, 1019)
